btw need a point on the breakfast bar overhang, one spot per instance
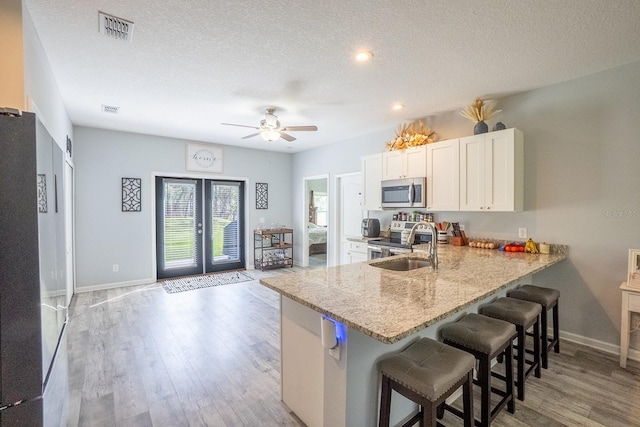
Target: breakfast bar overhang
(377, 311)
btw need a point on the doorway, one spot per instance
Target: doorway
(317, 221)
(199, 226)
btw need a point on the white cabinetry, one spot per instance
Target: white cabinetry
(354, 252)
(371, 177)
(492, 171)
(409, 163)
(443, 176)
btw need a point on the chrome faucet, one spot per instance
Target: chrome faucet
(433, 248)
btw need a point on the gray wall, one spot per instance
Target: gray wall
(105, 235)
(581, 172)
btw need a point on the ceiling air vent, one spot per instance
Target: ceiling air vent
(110, 109)
(117, 28)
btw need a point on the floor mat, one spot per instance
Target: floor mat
(199, 282)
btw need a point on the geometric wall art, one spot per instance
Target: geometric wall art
(131, 197)
(262, 195)
(42, 193)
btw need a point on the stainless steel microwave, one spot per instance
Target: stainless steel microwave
(404, 193)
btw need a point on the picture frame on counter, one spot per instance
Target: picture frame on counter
(633, 276)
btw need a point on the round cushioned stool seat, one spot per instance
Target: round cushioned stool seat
(480, 333)
(427, 367)
(516, 311)
(543, 296)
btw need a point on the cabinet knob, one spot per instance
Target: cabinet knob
(481, 207)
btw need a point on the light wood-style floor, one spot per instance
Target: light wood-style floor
(210, 357)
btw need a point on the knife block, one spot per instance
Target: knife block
(459, 240)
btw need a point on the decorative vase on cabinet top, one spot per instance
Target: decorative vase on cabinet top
(499, 126)
(480, 127)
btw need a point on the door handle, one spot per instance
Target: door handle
(411, 194)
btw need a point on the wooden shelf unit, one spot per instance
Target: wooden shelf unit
(273, 248)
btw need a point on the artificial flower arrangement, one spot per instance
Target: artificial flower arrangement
(412, 134)
(480, 110)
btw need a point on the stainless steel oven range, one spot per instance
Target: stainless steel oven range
(394, 245)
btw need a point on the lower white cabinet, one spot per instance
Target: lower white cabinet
(354, 252)
(492, 171)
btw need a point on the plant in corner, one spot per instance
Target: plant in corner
(478, 112)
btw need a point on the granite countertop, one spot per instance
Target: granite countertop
(390, 305)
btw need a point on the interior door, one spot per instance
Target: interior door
(224, 242)
(178, 227)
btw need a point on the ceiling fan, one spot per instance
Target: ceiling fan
(271, 130)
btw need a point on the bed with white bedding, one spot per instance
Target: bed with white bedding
(317, 239)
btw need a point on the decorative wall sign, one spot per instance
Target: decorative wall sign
(203, 158)
(42, 193)
(131, 194)
(262, 195)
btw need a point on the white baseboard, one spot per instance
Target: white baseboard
(105, 286)
(597, 344)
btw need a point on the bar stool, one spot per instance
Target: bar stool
(548, 299)
(523, 314)
(485, 338)
(426, 372)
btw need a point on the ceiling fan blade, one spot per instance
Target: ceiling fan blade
(251, 136)
(242, 126)
(286, 136)
(299, 128)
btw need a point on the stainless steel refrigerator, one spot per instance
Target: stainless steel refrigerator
(33, 309)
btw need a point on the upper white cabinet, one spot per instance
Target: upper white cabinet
(443, 176)
(371, 178)
(492, 171)
(409, 163)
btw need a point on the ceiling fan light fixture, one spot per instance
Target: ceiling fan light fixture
(270, 135)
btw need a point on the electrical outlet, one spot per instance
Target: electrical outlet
(261, 220)
(461, 227)
(522, 232)
(335, 352)
(115, 268)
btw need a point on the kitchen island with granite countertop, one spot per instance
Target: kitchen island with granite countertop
(377, 311)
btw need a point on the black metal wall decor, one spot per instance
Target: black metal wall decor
(42, 193)
(262, 195)
(69, 145)
(131, 194)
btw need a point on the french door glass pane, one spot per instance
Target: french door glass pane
(225, 213)
(180, 224)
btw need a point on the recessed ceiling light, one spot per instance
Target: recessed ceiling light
(398, 106)
(363, 55)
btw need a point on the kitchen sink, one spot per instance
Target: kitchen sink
(403, 264)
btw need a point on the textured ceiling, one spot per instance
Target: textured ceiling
(194, 64)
